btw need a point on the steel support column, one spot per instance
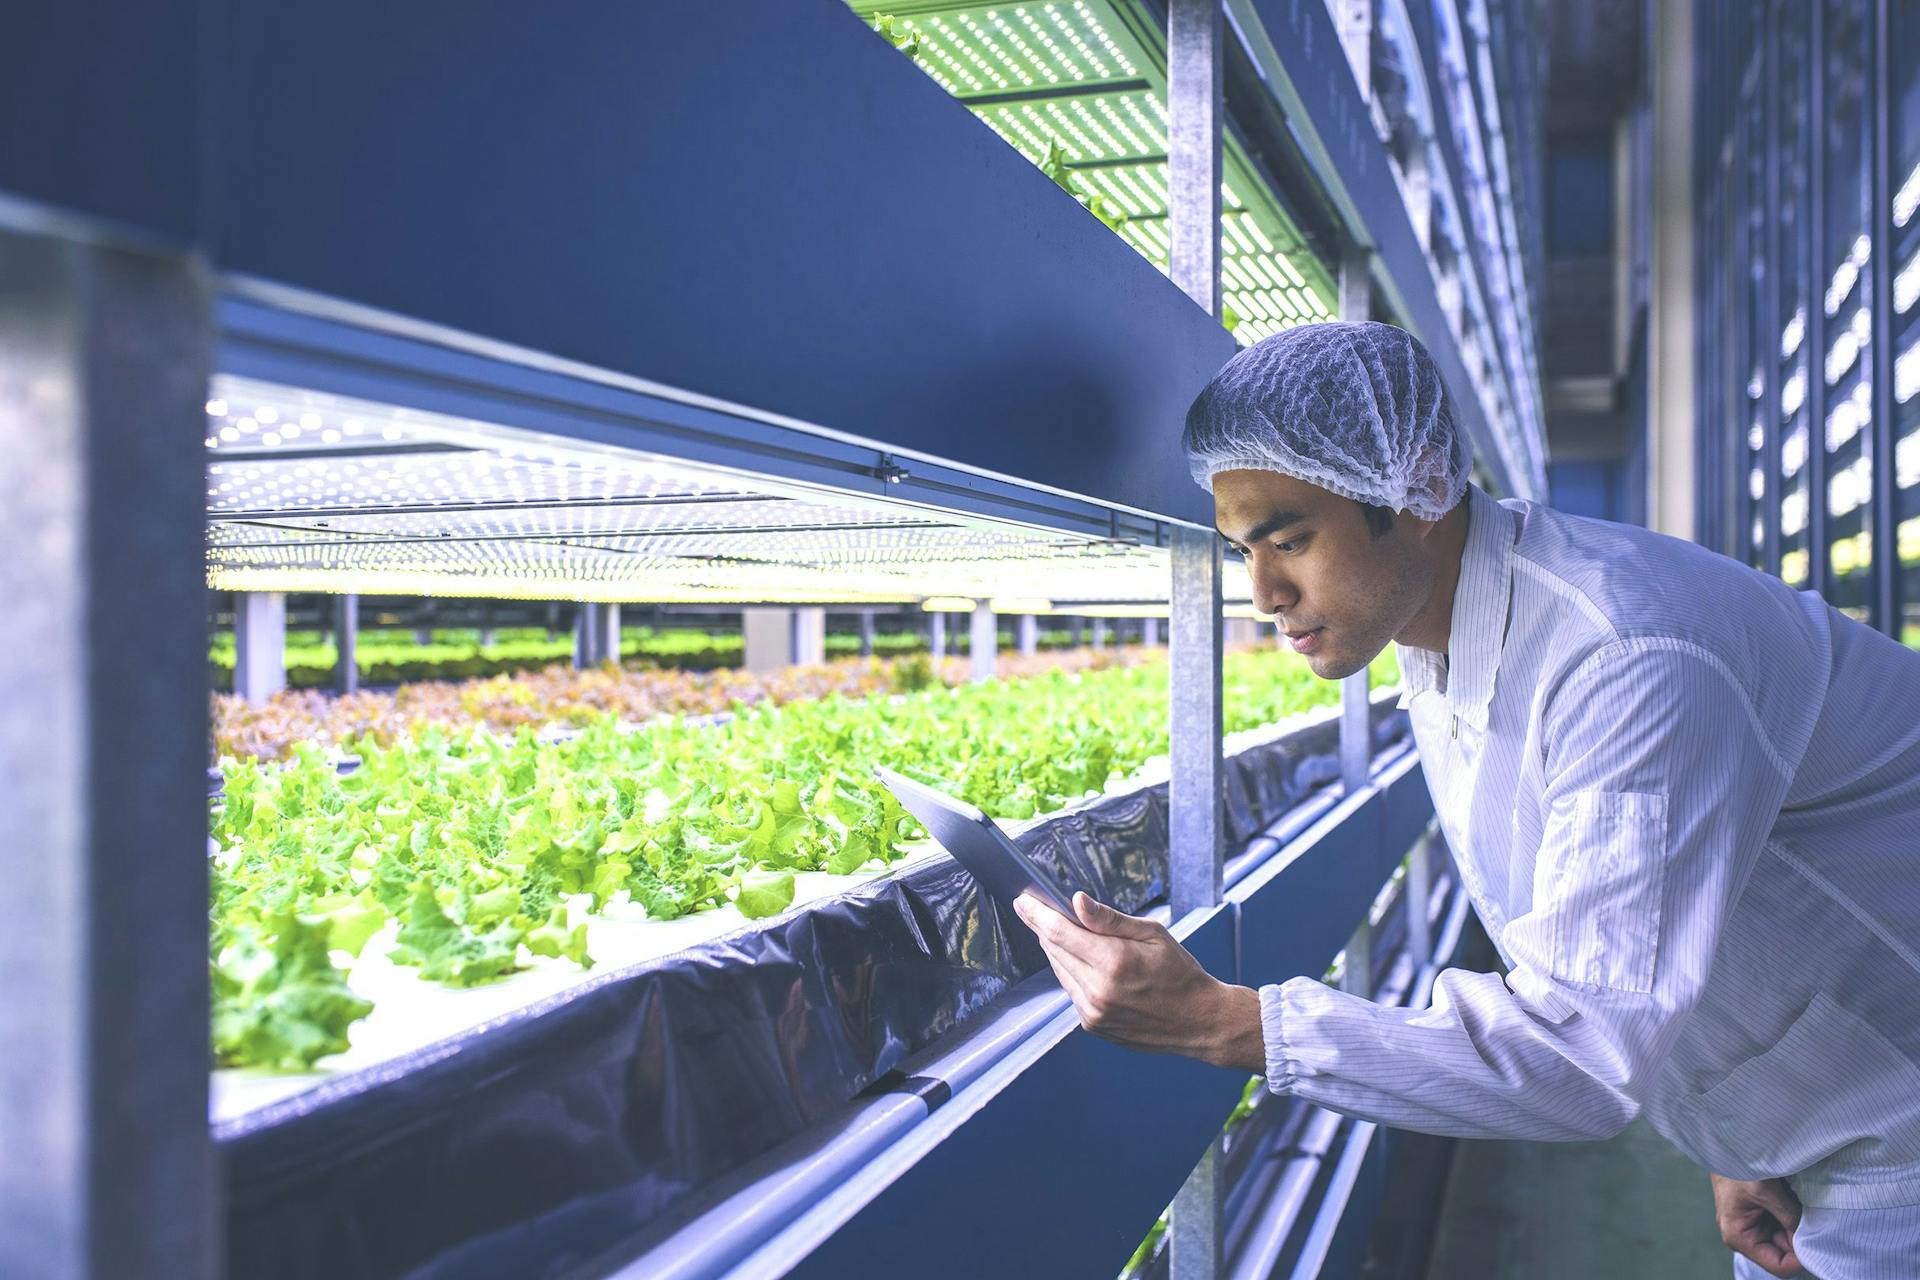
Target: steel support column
(1881, 115)
(1356, 737)
(1029, 634)
(1197, 793)
(596, 635)
(1195, 123)
(106, 1167)
(346, 643)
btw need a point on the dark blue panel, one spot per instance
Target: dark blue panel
(1406, 806)
(100, 109)
(1587, 489)
(1580, 200)
(1061, 1174)
(762, 202)
(1296, 921)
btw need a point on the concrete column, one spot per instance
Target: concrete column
(260, 644)
(106, 1160)
(346, 643)
(1028, 634)
(1150, 632)
(767, 639)
(1076, 633)
(937, 635)
(1242, 631)
(809, 636)
(983, 642)
(866, 633)
(1099, 633)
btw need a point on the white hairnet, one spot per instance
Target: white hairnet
(1353, 407)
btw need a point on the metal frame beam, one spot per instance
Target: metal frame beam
(1886, 551)
(107, 1168)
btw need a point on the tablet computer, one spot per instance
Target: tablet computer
(977, 844)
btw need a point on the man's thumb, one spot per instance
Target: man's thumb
(1101, 918)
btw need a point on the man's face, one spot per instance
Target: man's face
(1338, 592)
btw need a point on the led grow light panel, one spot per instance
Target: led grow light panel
(1075, 90)
(390, 501)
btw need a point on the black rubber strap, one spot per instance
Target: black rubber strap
(929, 1089)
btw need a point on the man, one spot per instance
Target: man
(1684, 799)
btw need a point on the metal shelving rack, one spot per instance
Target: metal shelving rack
(1808, 146)
(437, 285)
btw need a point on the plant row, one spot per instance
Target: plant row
(467, 853)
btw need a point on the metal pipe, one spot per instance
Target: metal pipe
(346, 641)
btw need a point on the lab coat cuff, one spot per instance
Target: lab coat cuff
(1280, 1071)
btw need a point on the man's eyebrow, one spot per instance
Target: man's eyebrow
(1271, 525)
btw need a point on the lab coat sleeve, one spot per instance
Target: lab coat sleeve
(1661, 790)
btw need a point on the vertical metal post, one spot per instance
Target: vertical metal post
(937, 635)
(1029, 634)
(983, 642)
(1771, 400)
(259, 644)
(1815, 338)
(596, 635)
(1419, 891)
(1197, 789)
(346, 643)
(866, 633)
(106, 1168)
(808, 646)
(1194, 39)
(1197, 794)
(1881, 113)
(1356, 730)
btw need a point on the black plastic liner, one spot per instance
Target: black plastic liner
(574, 1122)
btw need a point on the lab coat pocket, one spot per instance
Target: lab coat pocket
(1598, 885)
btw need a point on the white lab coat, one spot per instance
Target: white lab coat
(1685, 801)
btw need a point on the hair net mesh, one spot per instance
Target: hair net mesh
(1353, 407)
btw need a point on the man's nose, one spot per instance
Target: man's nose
(1273, 593)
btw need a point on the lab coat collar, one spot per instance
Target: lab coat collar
(1480, 608)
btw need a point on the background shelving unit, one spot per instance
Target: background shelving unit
(1808, 139)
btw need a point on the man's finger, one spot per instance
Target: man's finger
(1090, 948)
(1781, 1203)
(1101, 918)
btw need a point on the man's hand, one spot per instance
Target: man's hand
(1757, 1220)
(1135, 985)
